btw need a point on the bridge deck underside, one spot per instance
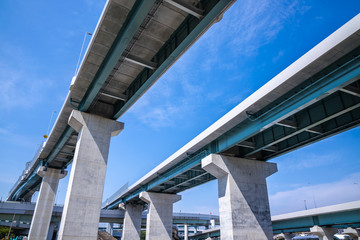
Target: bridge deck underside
(343, 219)
(134, 44)
(330, 113)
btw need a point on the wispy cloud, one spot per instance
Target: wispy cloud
(308, 160)
(251, 24)
(347, 189)
(9, 135)
(20, 86)
(246, 27)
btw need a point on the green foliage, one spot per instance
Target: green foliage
(4, 231)
(142, 235)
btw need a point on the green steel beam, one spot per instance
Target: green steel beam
(191, 27)
(60, 144)
(308, 126)
(335, 78)
(132, 23)
(345, 219)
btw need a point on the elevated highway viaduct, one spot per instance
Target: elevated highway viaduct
(314, 98)
(134, 43)
(19, 215)
(318, 220)
(323, 222)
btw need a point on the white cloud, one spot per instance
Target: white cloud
(247, 26)
(307, 160)
(19, 85)
(346, 189)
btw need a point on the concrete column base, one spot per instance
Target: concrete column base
(243, 199)
(352, 232)
(159, 220)
(323, 233)
(44, 206)
(132, 221)
(81, 212)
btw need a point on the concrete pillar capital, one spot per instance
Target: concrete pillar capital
(323, 233)
(79, 119)
(352, 232)
(152, 197)
(51, 172)
(124, 206)
(220, 165)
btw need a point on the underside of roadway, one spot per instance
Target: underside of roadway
(134, 43)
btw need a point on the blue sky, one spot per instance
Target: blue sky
(40, 43)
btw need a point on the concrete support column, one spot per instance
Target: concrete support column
(132, 221)
(323, 233)
(159, 220)
(52, 231)
(109, 228)
(243, 199)
(81, 212)
(186, 232)
(352, 232)
(212, 223)
(44, 206)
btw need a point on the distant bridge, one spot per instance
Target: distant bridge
(20, 214)
(340, 216)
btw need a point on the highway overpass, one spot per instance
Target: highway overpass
(134, 43)
(314, 98)
(340, 216)
(21, 213)
(18, 215)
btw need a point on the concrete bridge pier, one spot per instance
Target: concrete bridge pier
(132, 220)
(352, 232)
(81, 212)
(54, 227)
(159, 218)
(243, 199)
(323, 233)
(44, 206)
(186, 232)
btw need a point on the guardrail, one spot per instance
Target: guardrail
(116, 195)
(29, 166)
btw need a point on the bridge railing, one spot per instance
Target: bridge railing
(116, 195)
(28, 167)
